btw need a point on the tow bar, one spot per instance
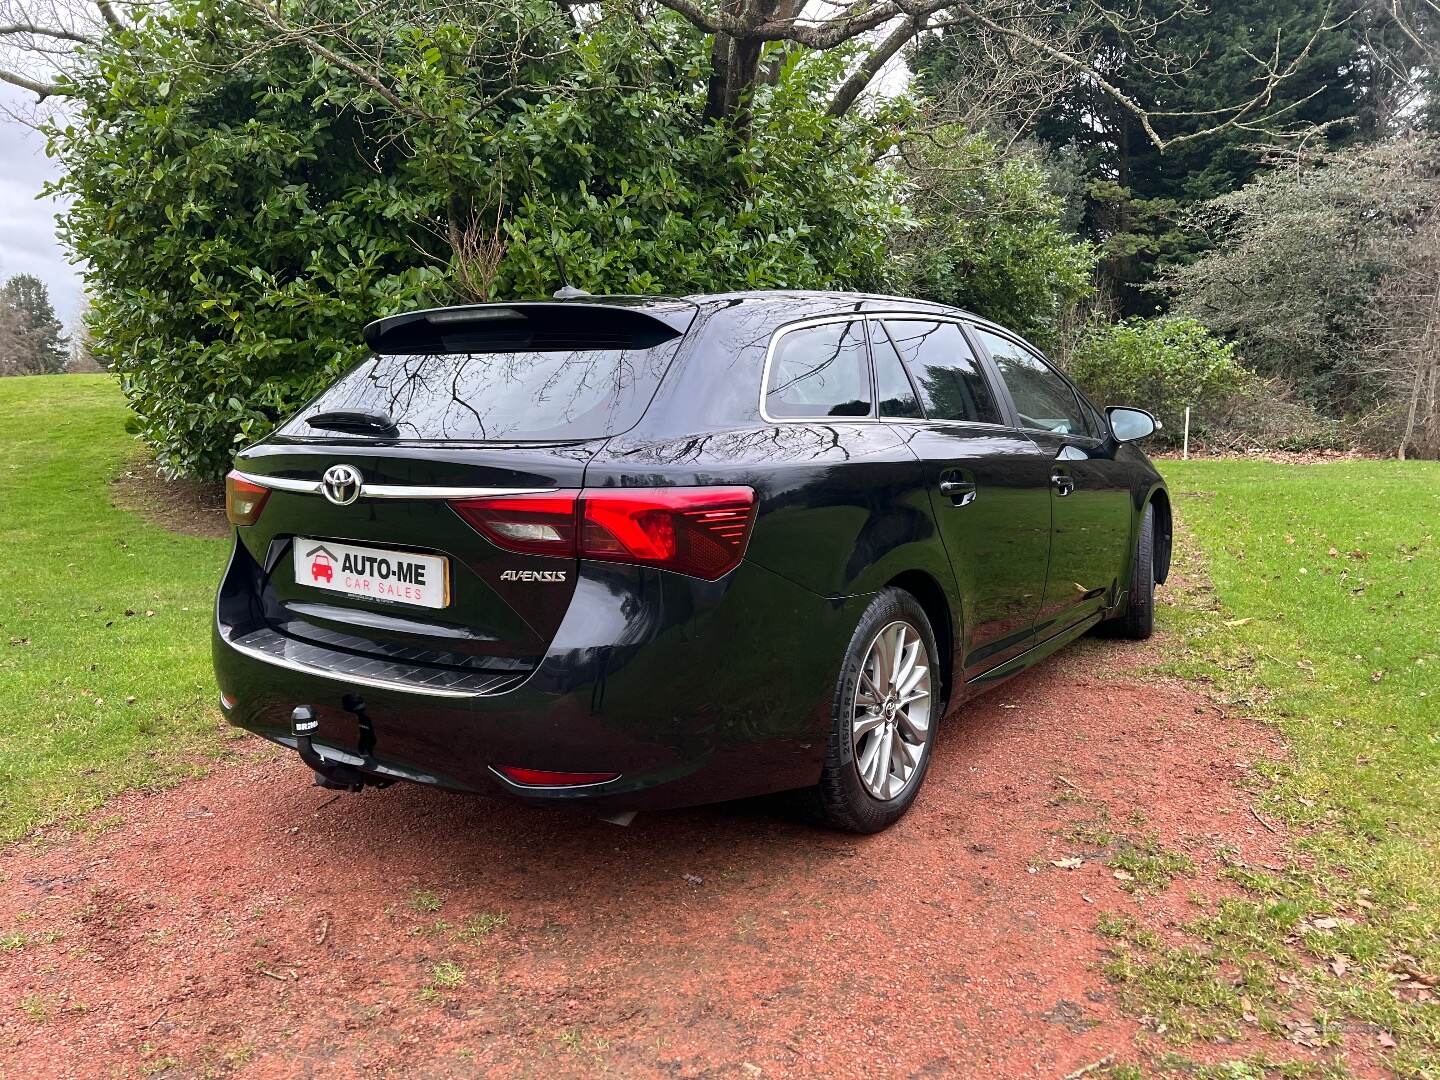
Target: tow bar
(335, 775)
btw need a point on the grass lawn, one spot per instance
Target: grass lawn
(105, 677)
(1321, 613)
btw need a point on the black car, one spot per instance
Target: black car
(645, 552)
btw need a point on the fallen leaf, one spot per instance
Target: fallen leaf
(1124, 875)
(1386, 1040)
(1073, 862)
(1238, 622)
(1325, 924)
(1339, 965)
(1334, 553)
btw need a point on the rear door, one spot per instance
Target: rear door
(514, 402)
(1090, 497)
(988, 483)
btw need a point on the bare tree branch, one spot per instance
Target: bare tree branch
(45, 31)
(39, 89)
(107, 12)
(331, 57)
(879, 56)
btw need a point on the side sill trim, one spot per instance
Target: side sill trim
(357, 680)
(390, 491)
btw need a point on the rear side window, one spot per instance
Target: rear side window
(820, 371)
(1042, 399)
(544, 395)
(951, 384)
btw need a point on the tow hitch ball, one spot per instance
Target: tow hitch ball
(328, 774)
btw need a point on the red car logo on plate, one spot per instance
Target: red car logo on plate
(320, 567)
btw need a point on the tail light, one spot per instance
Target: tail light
(534, 524)
(696, 531)
(243, 500)
(700, 531)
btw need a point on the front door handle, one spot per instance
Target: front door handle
(961, 492)
(1063, 483)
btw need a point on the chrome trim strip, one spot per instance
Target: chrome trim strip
(822, 320)
(279, 483)
(847, 317)
(390, 491)
(358, 680)
(805, 324)
(405, 491)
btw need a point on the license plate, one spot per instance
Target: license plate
(401, 577)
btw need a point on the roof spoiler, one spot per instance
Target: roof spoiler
(531, 326)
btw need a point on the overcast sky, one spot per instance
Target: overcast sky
(27, 223)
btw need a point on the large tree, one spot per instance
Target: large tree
(747, 43)
(1321, 270)
(1357, 79)
(988, 234)
(32, 341)
(244, 206)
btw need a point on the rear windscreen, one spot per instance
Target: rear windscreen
(506, 396)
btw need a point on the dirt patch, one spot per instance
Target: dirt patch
(188, 507)
(250, 922)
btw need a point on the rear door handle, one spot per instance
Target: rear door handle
(1063, 483)
(962, 492)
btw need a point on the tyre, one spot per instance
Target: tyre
(1138, 621)
(887, 704)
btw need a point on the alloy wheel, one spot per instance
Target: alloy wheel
(890, 723)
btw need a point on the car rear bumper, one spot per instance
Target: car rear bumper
(691, 691)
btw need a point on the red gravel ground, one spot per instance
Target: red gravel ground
(248, 922)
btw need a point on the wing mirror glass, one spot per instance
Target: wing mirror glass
(1129, 424)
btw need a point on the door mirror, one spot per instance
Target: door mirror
(1129, 424)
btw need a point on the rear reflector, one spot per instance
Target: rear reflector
(544, 778)
(700, 531)
(243, 500)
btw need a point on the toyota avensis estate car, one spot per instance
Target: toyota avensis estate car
(644, 552)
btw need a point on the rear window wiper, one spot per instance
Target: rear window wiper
(362, 421)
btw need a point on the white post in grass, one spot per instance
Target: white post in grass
(1185, 451)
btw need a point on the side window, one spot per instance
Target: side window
(820, 371)
(1042, 399)
(897, 396)
(951, 384)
